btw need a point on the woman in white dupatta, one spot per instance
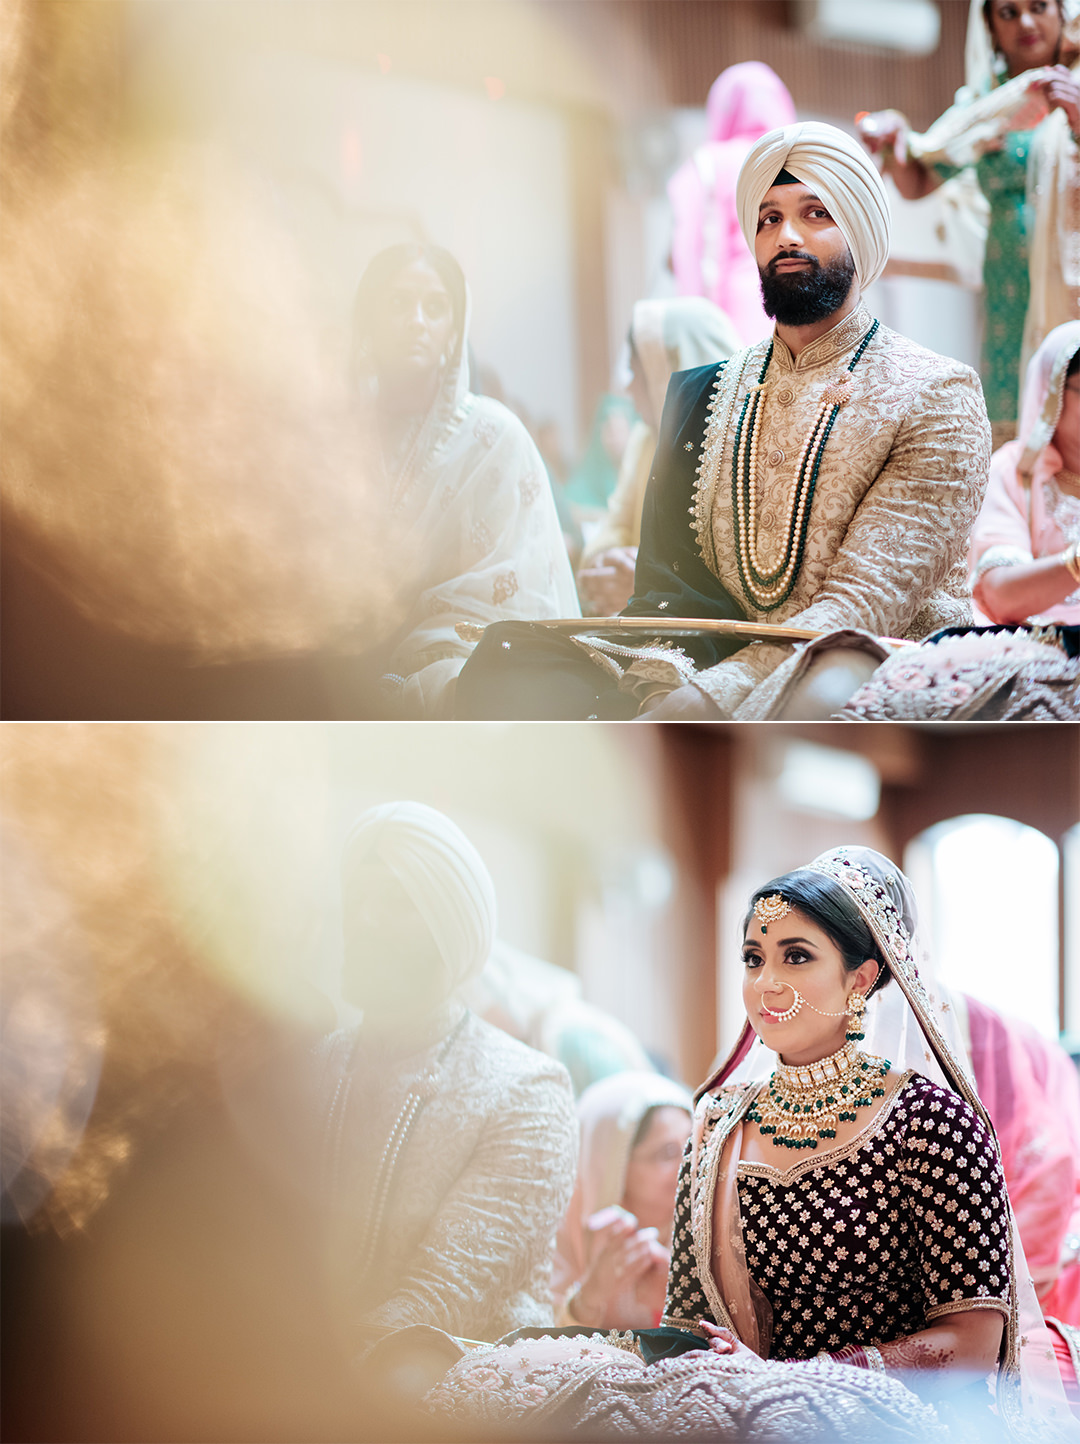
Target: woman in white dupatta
(469, 515)
(1024, 544)
(665, 337)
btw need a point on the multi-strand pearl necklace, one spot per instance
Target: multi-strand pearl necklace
(767, 590)
(808, 1101)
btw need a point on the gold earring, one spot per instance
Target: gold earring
(856, 1007)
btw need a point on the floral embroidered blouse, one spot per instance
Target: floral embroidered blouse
(871, 1241)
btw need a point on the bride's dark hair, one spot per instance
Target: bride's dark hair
(827, 904)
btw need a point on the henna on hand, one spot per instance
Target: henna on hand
(965, 1343)
(932, 1350)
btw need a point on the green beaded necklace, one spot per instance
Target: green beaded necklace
(805, 1102)
(767, 590)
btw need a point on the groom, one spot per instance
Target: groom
(827, 478)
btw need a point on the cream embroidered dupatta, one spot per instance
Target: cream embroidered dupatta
(908, 1024)
(471, 524)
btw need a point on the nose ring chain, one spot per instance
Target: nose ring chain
(797, 1005)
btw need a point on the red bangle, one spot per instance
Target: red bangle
(853, 1354)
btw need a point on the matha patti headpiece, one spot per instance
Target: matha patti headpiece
(770, 910)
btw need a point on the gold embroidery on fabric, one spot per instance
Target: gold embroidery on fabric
(677, 1321)
(727, 384)
(505, 586)
(963, 1306)
(841, 338)
(701, 1208)
(899, 385)
(625, 1340)
(888, 930)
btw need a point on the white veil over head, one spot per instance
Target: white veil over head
(1044, 395)
(980, 61)
(910, 1021)
(445, 411)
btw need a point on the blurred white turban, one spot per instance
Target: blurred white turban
(840, 172)
(440, 870)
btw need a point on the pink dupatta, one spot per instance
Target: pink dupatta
(708, 253)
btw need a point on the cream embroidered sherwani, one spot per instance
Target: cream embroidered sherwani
(460, 1231)
(900, 485)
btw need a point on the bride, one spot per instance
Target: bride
(842, 1231)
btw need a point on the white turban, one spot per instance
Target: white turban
(840, 172)
(443, 874)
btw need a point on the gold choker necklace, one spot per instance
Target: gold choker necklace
(808, 1101)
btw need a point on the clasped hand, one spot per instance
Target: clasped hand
(607, 583)
(626, 1278)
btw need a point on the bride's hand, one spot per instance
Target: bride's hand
(723, 1341)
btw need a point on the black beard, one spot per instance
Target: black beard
(800, 298)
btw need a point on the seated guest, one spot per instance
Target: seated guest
(450, 1146)
(1024, 546)
(1024, 568)
(469, 512)
(593, 480)
(665, 336)
(826, 479)
(613, 1248)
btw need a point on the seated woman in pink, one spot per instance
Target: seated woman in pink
(1024, 561)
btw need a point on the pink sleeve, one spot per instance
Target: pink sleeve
(1030, 1088)
(1002, 520)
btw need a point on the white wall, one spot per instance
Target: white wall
(941, 315)
(354, 160)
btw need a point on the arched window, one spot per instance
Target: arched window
(988, 897)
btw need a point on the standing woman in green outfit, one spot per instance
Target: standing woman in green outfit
(1017, 121)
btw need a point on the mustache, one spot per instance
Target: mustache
(815, 264)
